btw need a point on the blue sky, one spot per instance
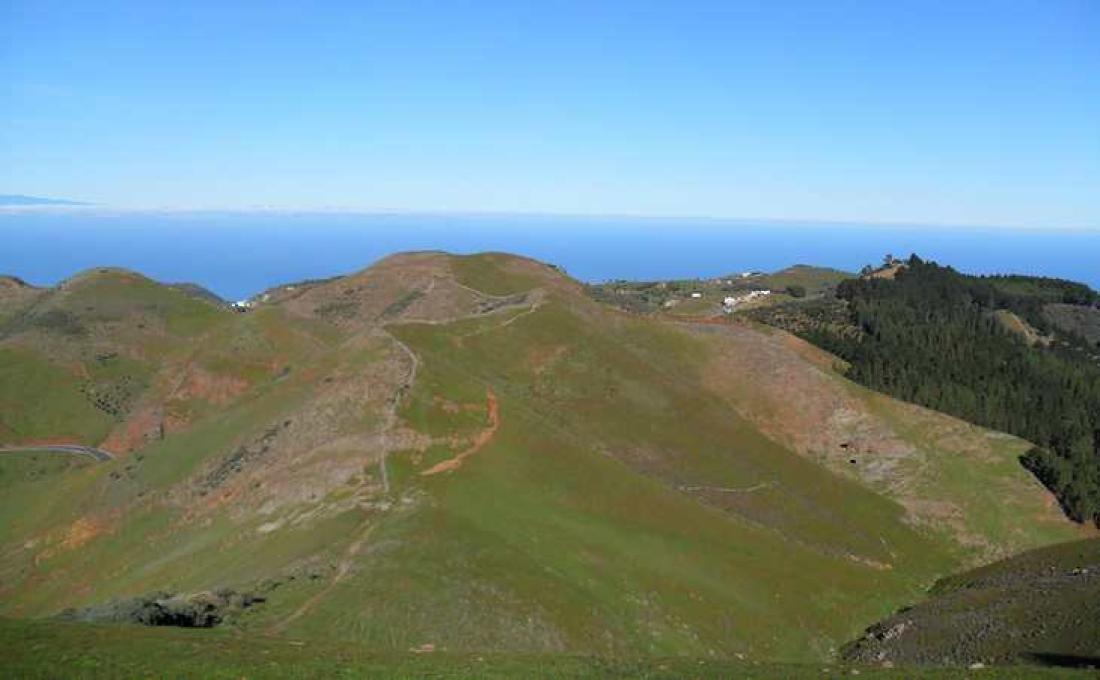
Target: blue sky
(952, 112)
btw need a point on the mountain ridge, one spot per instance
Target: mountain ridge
(604, 483)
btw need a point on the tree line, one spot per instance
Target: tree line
(945, 340)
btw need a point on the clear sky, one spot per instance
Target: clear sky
(945, 112)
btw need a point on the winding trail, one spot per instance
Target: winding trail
(391, 412)
(73, 449)
(342, 571)
(725, 489)
(347, 562)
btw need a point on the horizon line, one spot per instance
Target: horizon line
(108, 210)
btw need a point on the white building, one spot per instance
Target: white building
(733, 301)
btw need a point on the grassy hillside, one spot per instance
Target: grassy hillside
(468, 453)
(703, 297)
(75, 360)
(34, 649)
(1042, 607)
(981, 348)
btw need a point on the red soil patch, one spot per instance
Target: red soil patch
(542, 358)
(136, 432)
(216, 389)
(81, 532)
(76, 535)
(480, 440)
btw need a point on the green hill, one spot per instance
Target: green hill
(704, 297)
(1040, 607)
(469, 454)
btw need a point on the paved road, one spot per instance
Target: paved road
(74, 449)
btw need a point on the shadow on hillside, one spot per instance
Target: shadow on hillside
(1063, 660)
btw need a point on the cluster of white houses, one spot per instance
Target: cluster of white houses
(731, 302)
(249, 303)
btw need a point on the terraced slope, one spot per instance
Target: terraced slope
(468, 453)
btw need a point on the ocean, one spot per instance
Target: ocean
(239, 254)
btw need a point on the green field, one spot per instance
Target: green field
(32, 650)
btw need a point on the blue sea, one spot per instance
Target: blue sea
(239, 254)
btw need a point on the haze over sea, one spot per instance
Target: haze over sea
(241, 253)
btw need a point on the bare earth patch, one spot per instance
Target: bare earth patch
(479, 441)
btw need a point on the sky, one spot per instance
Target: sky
(918, 112)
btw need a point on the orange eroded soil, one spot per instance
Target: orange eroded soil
(135, 432)
(212, 387)
(81, 531)
(482, 438)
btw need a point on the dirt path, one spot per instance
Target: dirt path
(342, 571)
(723, 489)
(532, 307)
(74, 449)
(475, 291)
(482, 438)
(391, 411)
(530, 301)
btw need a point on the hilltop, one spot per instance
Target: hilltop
(470, 454)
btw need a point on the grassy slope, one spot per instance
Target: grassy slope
(584, 476)
(144, 539)
(75, 359)
(53, 649)
(620, 507)
(96, 531)
(952, 477)
(651, 296)
(816, 280)
(1041, 606)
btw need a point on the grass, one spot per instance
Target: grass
(989, 486)
(652, 296)
(114, 295)
(488, 273)
(815, 280)
(1042, 605)
(30, 650)
(544, 509)
(39, 399)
